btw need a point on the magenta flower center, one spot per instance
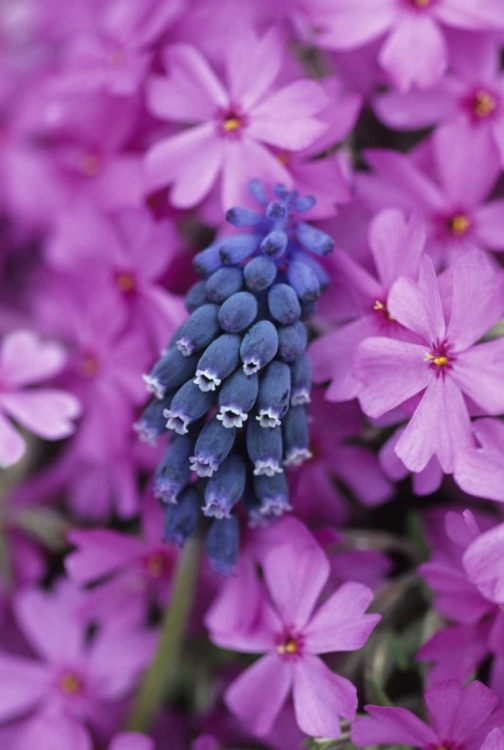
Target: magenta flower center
(70, 684)
(440, 358)
(89, 365)
(289, 645)
(90, 164)
(381, 308)
(446, 745)
(421, 4)
(125, 281)
(157, 565)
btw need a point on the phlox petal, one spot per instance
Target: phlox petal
(390, 726)
(258, 695)
(321, 698)
(47, 413)
(25, 359)
(12, 445)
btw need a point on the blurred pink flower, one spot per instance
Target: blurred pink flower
(238, 125)
(26, 360)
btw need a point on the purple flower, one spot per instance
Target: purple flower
(422, 25)
(237, 124)
(73, 678)
(396, 248)
(449, 195)
(479, 469)
(25, 360)
(457, 718)
(292, 634)
(446, 368)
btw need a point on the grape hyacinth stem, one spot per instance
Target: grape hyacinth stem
(159, 678)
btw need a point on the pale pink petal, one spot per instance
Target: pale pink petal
(483, 564)
(489, 221)
(190, 161)
(258, 695)
(295, 578)
(100, 552)
(114, 664)
(415, 53)
(428, 480)
(242, 159)
(392, 372)
(340, 623)
(298, 101)
(24, 685)
(47, 413)
(477, 299)
(12, 445)
(494, 741)
(50, 622)
(131, 741)
(478, 373)
(390, 726)
(458, 712)
(396, 245)
(465, 14)
(26, 359)
(463, 186)
(411, 188)
(360, 470)
(321, 698)
(344, 340)
(414, 109)
(252, 65)
(480, 474)
(57, 731)
(353, 24)
(191, 92)
(439, 427)
(121, 184)
(417, 306)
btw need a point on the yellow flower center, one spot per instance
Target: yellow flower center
(70, 683)
(484, 103)
(231, 124)
(459, 224)
(381, 307)
(289, 646)
(422, 3)
(440, 361)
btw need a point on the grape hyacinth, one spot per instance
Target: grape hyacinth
(233, 387)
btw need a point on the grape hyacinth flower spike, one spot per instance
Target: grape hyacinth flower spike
(233, 386)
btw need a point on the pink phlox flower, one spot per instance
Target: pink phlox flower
(73, 678)
(468, 102)
(450, 196)
(292, 635)
(336, 455)
(26, 360)
(132, 572)
(132, 253)
(396, 248)
(458, 719)
(449, 371)
(115, 55)
(456, 596)
(456, 651)
(479, 469)
(404, 25)
(238, 125)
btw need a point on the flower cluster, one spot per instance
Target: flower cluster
(296, 537)
(235, 381)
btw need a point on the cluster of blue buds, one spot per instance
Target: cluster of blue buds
(234, 383)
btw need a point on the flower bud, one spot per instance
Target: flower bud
(223, 283)
(259, 346)
(274, 393)
(199, 330)
(213, 445)
(219, 360)
(259, 273)
(173, 472)
(236, 398)
(283, 304)
(238, 312)
(264, 447)
(181, 519)
(222, 544)
(292, 341)
(225, 488)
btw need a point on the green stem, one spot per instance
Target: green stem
(159, 678)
